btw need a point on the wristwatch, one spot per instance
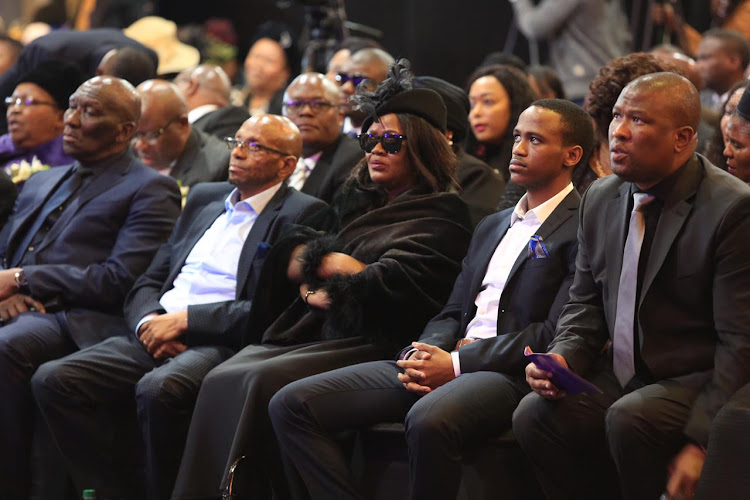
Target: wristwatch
(21, 283)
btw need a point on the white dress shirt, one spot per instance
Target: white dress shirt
(524, 224)
(209, 273)
(196, 113)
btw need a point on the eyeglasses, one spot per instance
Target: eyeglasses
(316, 105)
(391, 142)
(26, 101)
(152, 137)
(251, 147)
(355, 78)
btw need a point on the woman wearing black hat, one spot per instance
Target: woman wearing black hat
(363, 291)
(35, 119)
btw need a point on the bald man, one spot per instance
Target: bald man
(72, 248)
(311, 102)
(184, 316)
(207, 94)
(366, 65)
(166, 142)
(668, 285)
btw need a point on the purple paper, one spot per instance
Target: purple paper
(562, 377)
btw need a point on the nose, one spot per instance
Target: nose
(619, 129)
(727, 151)
(71, 117)
(378, 149)
(519, 148)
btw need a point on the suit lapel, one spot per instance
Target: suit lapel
(25, 218)
(617, 219)
(318, 175)
(257, 234)
(677, 207)
(102, 182)
(560, 214)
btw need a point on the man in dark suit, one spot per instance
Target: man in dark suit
(207, 94)
(663, 273)
(512, 286)
(73, 247)
(84, 48)
(166, 142)
(328, 156)
(184, 316)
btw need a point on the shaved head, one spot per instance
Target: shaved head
(204, 84)
(163, 95)
(330, 90)
(681, 95)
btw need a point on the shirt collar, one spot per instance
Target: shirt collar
(541, 212)
(197, 113)
(256, 203)
(312, 160)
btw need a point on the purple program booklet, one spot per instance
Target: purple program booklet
(562, 377)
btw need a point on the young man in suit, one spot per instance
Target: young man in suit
(311, 102)
(663, 273)
(184, 315)
(166, 142)
(512, 286)
(76, 241)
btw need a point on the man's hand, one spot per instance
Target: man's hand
(539, 380)
(8, 282)
(18, 304)
(426, 369)
(685, 472)
(170, 349)
(161, 329)
(337, 263)
(318, 299)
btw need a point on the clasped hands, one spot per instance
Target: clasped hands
(426, 369)
(159, 335)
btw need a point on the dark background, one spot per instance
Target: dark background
(443, 38)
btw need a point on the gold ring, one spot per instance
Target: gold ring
(307, 295)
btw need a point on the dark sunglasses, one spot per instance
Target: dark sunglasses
(355, 78)
(391, 142)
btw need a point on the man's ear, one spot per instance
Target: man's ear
(287, 167)
(684, 137)
(573, 155)
(127, 129)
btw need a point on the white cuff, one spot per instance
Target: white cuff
(456, 363)
(143, 320)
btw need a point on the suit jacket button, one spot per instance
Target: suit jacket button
(31, 249)
(502, 311)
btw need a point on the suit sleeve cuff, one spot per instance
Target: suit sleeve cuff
(143, 320)
(456, 363)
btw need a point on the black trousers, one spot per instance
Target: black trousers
(231, 414)
(613, 445)
(120, 417)
(25, 343)
(440, 426)
(725, 472)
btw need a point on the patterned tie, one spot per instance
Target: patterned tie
(300, 174)
(624, 334)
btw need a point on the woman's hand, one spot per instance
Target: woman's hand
(317, 298)
(294, 271)
(337, 263)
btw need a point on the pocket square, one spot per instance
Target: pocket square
(263, 249)
(537, 248)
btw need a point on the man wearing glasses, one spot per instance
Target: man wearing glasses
(312, 102)
(366, 65)
(184, 316)
(166, 142)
